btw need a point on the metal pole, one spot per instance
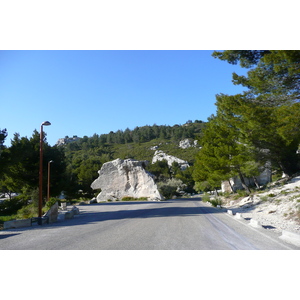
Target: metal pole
(41, 178)
(48, 186)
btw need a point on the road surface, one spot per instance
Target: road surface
(181, 224)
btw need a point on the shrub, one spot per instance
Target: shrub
(170, 187)
(9, 207)
(51, 202)
(205, 198)
(28, 211)
(216, 202)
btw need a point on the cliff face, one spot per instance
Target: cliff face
(125, 178)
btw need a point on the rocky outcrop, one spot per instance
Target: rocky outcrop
(67, 140)
(125, 178)
(160, 155)
(235, 183)
(187, 143)
(184, 144)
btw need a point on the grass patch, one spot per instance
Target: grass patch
(285, 192)
(134, 199)
(264, 198)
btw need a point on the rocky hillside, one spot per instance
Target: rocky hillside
(276, 208)
(86, 155)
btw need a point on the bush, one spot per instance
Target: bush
(10, 207)
(51, 202)
(216, 202)
(205, 198)
(28, 211)
(170, 187)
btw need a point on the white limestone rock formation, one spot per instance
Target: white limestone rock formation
(187, 143)
(160, 155)
(125, 178)
(67, 140)
(235, 183)
(184, 144)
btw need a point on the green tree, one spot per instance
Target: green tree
(223, 154)
(21, 165)
(211, 163)
(160, 169)
(267, 114)
(3, 135)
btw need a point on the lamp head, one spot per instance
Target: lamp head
(46, 123)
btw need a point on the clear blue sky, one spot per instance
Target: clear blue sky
(87, 92)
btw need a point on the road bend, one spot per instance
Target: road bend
(181, 224)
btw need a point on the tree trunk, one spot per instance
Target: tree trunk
(230, 185)
(245, 186)
(216, 193)
(255, 181)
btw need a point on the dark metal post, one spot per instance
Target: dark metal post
(41, 178)
(48, 187)
(41, 174)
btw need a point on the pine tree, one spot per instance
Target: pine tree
(267, 114)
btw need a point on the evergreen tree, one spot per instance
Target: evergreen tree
(223, 154)
(267, 114)
(21, 165)
(3, 135)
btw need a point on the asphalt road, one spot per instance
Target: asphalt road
(181, 224)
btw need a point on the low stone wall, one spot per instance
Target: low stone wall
(17, 224)
(51, 215)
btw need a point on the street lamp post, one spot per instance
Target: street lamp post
(46, 123)
(48, 186)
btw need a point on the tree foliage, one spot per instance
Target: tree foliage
(256, 126)
(20, 165)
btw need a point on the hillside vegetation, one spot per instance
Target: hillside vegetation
(76, 164)
(86, 156)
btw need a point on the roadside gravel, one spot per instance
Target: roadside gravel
(276, 209)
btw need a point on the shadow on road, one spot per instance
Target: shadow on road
(86, 217)
(3, 236)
